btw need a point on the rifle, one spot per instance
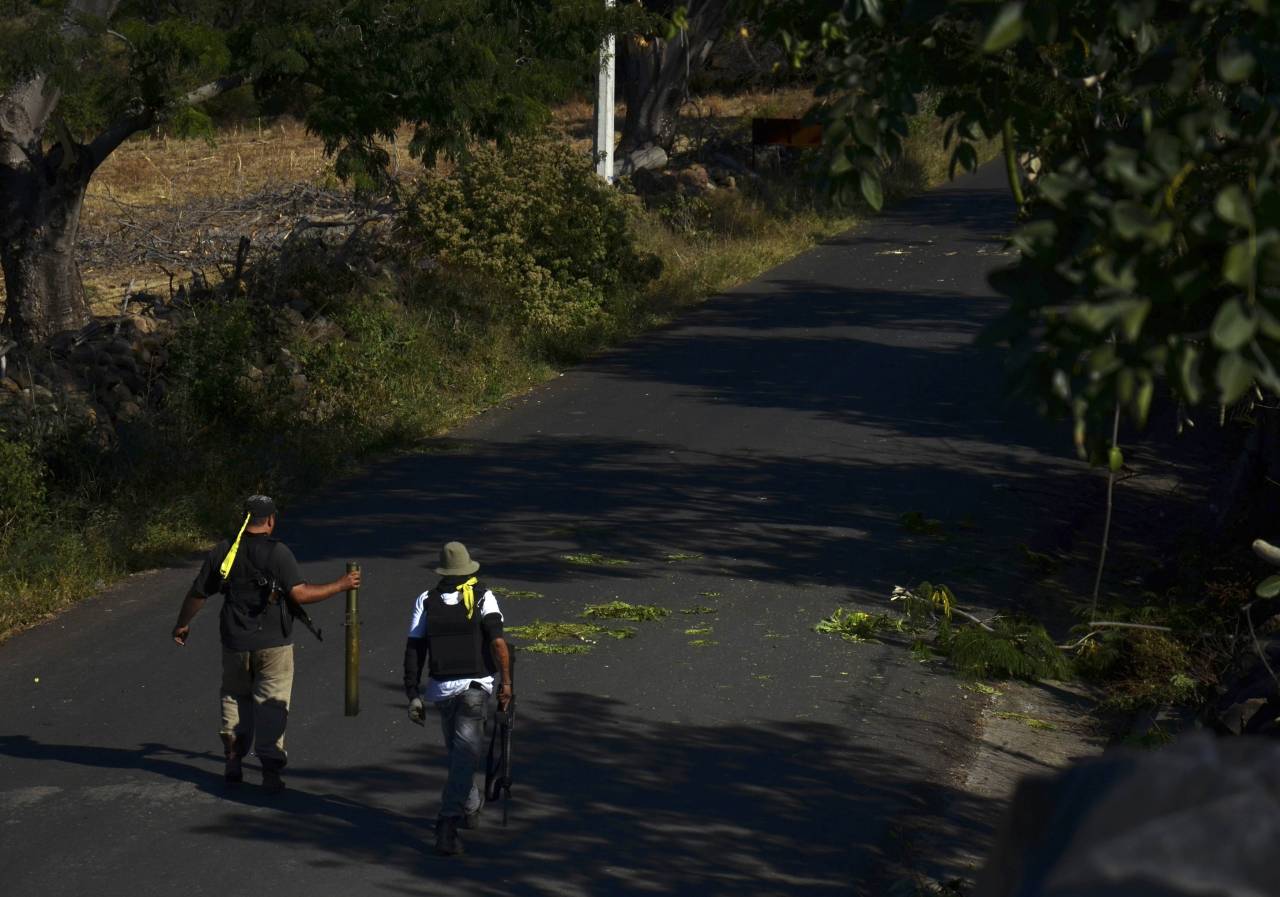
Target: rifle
(299, 613)
(497, 780)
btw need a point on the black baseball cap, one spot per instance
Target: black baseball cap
(259, 506)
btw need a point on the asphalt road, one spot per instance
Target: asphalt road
(755, 457)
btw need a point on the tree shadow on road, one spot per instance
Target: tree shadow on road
(606, 803)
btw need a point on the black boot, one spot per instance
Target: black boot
(271, 781)
(447, 841)
(471, 821)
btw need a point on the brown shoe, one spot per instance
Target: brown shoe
(234, 772)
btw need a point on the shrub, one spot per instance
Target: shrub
(535, 219)
(22, 494)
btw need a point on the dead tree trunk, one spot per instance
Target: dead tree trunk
(654, 75)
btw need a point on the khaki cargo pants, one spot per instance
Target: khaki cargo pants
(256, 687)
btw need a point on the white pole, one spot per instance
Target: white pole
(603, 146)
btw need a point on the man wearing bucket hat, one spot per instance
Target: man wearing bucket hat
(456, 629)
(263, 591)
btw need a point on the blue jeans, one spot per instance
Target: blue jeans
(465, 720)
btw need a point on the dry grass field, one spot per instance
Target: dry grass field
(161, 208)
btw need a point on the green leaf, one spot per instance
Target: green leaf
(875, 11)
(872, 190)
(1237, 267)
(1134, 317)
(1235, 375)
(1115, 459)
(1232, 207)
(1006, 30)
(1233, 326)
(1189, 374)
(964, 155)
(1269, 587)
(866, 131)
(1130, 220)
(1235, 63)
(1142, 401)
(1099, 316)
(843, 163)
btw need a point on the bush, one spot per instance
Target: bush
(536, 220)
(22, 493)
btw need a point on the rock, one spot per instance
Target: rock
(730, 183)
(647, 158)
(42, 394)
(119, 394)
(134, 383)
(694, 178)
(145, 324)
(1192, 818)
(129, 411)
(159, 390)
(253, 373)
(126, 363)
(120, 346)
(292, 317)
(301, 306)
(298, 383)
(288, 362)
(84, 353)
(9, 385)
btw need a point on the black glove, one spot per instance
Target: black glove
(418, 712)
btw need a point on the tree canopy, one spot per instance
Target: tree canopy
(79, 77)
(1150, 242)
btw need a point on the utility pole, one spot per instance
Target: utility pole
(603, 145)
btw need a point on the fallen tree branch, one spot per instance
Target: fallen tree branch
(1098, 626)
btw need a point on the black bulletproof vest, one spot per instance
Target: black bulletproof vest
(456, 644)
(251, 597)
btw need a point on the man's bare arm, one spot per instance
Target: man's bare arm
(502, 654)
(308, 593)
(190, 607)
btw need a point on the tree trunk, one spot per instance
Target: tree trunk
(44, 294)
(654, 76)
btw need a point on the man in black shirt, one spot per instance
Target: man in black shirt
(257, 576)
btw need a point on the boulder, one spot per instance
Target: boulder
(646, 158)
(694, 179)
(1200, 816)
(129, 411)
(118, 394)
(9, 385)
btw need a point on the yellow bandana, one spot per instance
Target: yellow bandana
(230, 559)
(468, 591)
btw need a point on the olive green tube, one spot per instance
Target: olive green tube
(353, 646)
